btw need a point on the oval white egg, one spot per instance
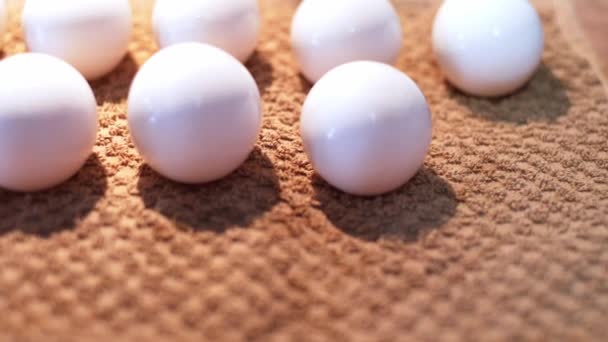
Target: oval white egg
(91, 35)
(325, 34)
(490, 47)
(48, 122)
(194, 112)
(232, 25)
(366, 128)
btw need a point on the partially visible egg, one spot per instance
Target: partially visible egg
(326, 34)
(231, 25)
(91, 35)
(48, 122)
(488, 48)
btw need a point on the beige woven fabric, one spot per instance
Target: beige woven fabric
(503, 235)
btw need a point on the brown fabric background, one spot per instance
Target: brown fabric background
(503, 235)
(593, 18)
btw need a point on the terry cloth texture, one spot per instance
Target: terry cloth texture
(503, 235)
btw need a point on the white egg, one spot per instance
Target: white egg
(366, 128)
(231, 25)
(325, 34)
(48, 122)
(194, 112)
(91, 35)
(490, 47)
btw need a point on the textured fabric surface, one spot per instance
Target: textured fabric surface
(503, 235)
(593, 17)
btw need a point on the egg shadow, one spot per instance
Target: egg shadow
(544, 98)
(424, 204)
(60, 208)
(305, 84)
(234, 201)
(114, 87)
(261, 70)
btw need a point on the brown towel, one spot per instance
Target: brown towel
(503, 235)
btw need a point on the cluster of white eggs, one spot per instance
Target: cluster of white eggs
(194, 110)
